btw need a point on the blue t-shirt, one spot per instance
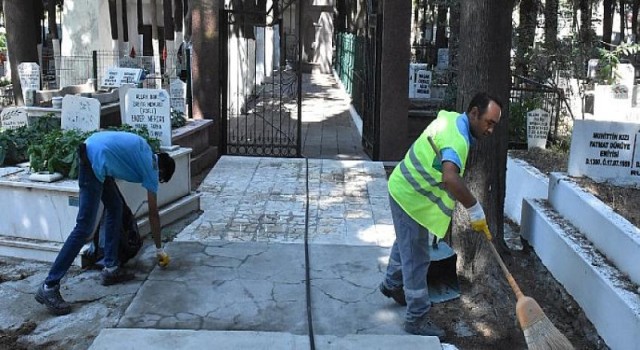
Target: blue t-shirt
(123, 155)
(448, 154)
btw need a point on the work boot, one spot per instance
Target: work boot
(423, 326)
(118, 275)
(396, 294)
(52, 299)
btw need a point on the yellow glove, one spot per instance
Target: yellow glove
(478, 220)
(163, 258)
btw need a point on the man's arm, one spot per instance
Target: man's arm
(154, 218)
(455, 185)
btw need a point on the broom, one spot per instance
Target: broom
(539, 332)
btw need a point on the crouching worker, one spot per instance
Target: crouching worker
(104, 157)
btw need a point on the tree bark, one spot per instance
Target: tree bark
(441, 29)
(53, 24)
(623, 21)
(634, 19)
(607, 21)
(586, 34)
(525, 35)
(22, 39)
(551, 25)
(485, 37)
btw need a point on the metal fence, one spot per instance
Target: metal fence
(60, 71)
(527, 95)
(349, 65)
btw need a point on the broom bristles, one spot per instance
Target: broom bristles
(543, 335)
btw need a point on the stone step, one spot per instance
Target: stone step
(611, 234)
(170, 339)
(610, 301)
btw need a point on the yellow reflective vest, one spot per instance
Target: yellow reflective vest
(416, 182)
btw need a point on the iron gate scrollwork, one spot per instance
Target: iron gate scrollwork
(260, 89)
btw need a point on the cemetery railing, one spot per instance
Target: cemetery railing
(525, 96)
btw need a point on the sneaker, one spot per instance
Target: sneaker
(52, 299)
(424, 326)
(116, 276)
(396, 294)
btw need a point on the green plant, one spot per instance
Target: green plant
(177, 119)
(609, 60)
(57, 152)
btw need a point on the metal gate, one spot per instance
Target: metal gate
(370, 72)
(261, 82)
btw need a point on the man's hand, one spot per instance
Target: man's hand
(478, 220)
(163, 257)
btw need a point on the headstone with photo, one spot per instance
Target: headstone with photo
(81, 113)
(13, 117)
(606, 151)
(178, 93)
(538, 123)
(116, 76)
(150, 108)
(29, 73)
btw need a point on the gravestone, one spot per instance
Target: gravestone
(443, 59)
(606, 151)
(612, 103)
(150, 108)
(538, 123)
(81, 113)
(29, 73)
(178, 92)
(13, 118)
(116, 76)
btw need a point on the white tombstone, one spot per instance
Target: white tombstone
(13, 118)
(413, 76)
(81, 113)
(538, 124)
(29, 73)
(443, 59)
(612, 103)
(625, 74)
(606, 151)
(592, 68)
(178, 93)
(116, 76)
(150, 108)
(423, 84)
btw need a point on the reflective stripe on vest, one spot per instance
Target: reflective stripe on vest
(417, 186)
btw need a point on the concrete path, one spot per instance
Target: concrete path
(238, 271)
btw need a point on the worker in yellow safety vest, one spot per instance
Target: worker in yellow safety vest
(423, 189)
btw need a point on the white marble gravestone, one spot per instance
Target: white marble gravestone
(116, 76)
(150, 108)
(29, 73)
(178, 92)
(13, 117)
(80, 113)
(538, 123)
(606, 151)
(443, 59)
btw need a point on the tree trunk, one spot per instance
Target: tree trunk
(525, 35)
(623, 21)
(551, 26)
(22, 39)
(485, 37)
(53, 24)
(607, 21)
(586, 34)
(441, 29)
(634, 19)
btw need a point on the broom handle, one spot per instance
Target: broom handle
(507, 274)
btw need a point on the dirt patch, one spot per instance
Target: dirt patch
(9, 338)
(623, 200)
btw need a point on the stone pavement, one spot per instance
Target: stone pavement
(240, 266)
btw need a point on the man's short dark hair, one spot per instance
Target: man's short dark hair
(482, 100)
(166, 167)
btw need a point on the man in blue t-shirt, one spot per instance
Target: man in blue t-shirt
(103, 158)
